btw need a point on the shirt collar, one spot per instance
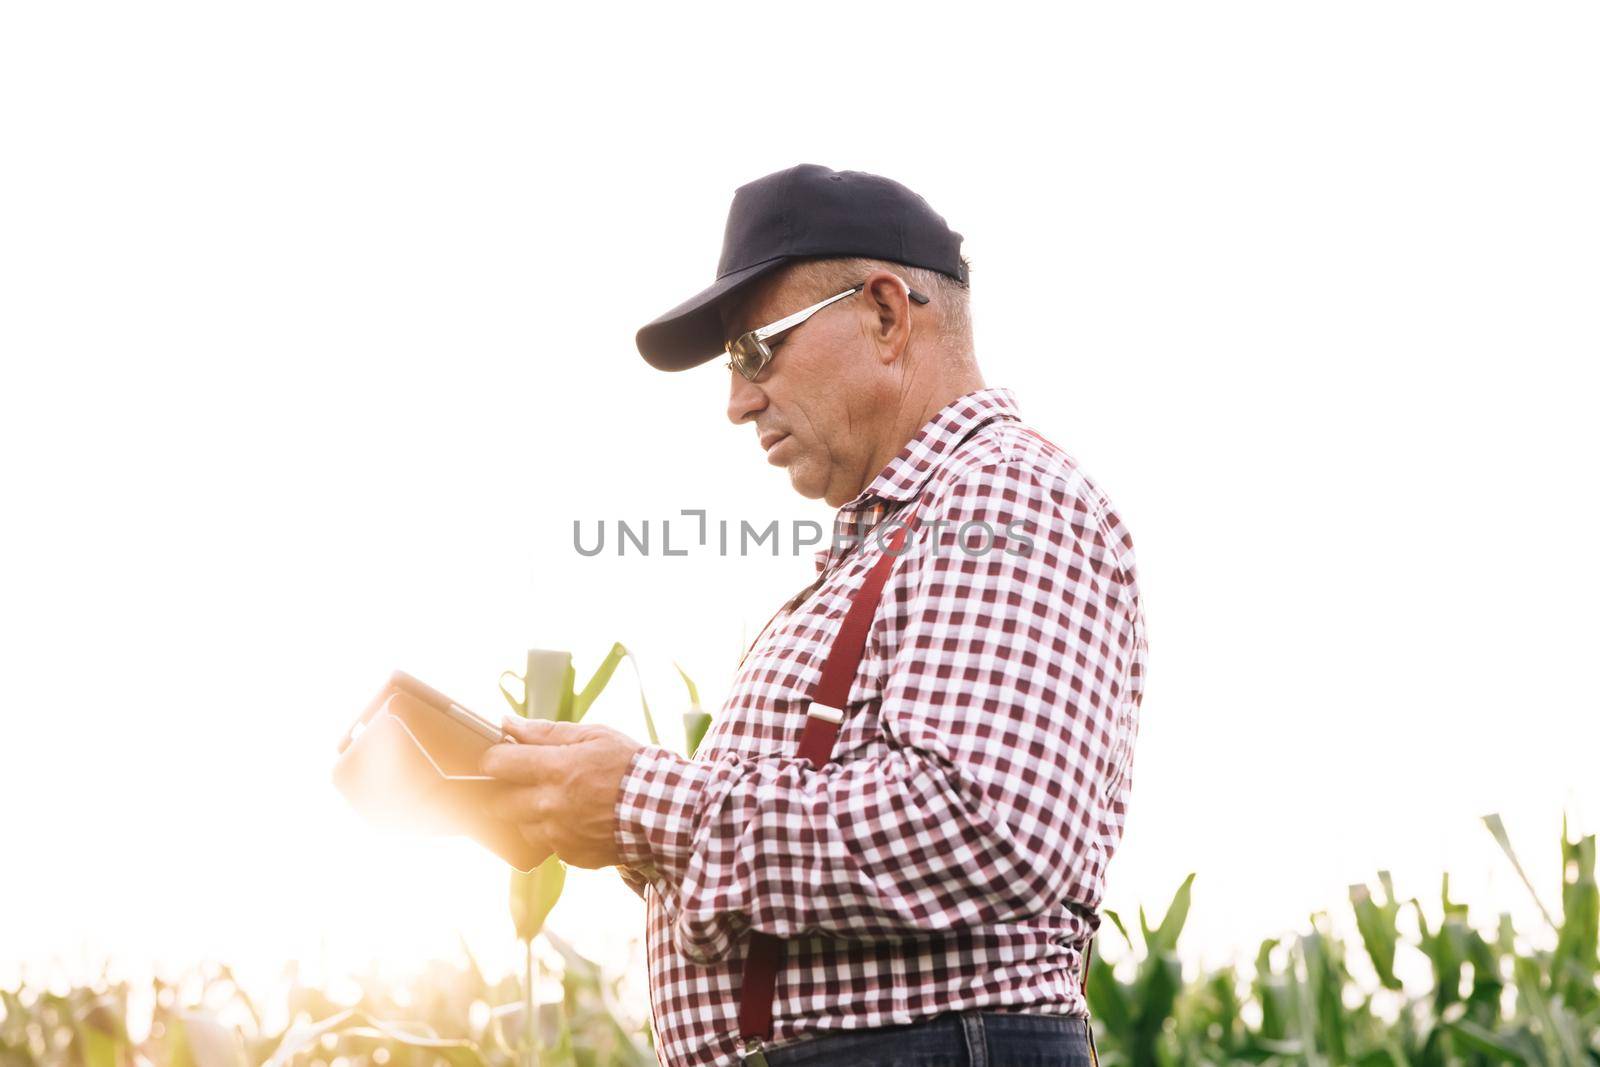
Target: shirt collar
(903, 477)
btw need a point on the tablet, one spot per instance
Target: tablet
(411, 760)
(436, 700)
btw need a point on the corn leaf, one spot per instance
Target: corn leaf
(1497, 827)
(1485, 1042)
(694, 692)
(1378, 925)
(1165, 937)
(597, 681)
(534, 895)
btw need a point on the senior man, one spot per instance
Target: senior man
(892, 843)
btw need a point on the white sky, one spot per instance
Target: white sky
(317, 328)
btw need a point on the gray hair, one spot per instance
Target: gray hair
(949, 298)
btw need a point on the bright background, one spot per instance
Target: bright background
(317, 328)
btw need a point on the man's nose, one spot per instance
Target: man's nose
(745, 399)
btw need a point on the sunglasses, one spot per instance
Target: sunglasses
(749, 353)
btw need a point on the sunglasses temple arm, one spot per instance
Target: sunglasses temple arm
(789, 322)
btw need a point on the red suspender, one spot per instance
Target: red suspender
(816, 744)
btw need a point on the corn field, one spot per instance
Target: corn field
(1495, 997)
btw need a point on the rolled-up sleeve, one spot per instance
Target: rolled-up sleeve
(999, 711)
(635, 879)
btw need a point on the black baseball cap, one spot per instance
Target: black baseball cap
(803, 212)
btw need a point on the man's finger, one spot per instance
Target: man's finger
(523, 805)
(541, 731)
(523, 764)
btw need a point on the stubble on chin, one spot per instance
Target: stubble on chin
(803, 479)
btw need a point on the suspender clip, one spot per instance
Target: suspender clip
(751, 1053)
(825, 712)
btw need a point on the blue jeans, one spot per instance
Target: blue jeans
(951, 1039)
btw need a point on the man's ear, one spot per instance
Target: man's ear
(887, 296)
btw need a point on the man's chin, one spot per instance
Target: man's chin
(805, 481)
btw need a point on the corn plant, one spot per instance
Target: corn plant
(696, 721)
(449, 1014)
(1492, 995)
(1493, 998)
(549, 691)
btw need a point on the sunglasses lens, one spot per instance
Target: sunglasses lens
(747, 356)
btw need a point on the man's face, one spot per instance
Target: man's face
(813, 403)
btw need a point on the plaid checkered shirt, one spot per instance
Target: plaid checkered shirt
(953, 855)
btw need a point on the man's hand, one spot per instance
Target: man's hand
(562, 783)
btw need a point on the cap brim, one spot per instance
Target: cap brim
(691, 333)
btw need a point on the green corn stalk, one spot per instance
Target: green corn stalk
(1301, 989)
(1445, 948)
(1577, 955)
(549, 691)
(552, 681)
(1330, 1022)
(1272, 993)
(1134, 1015)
